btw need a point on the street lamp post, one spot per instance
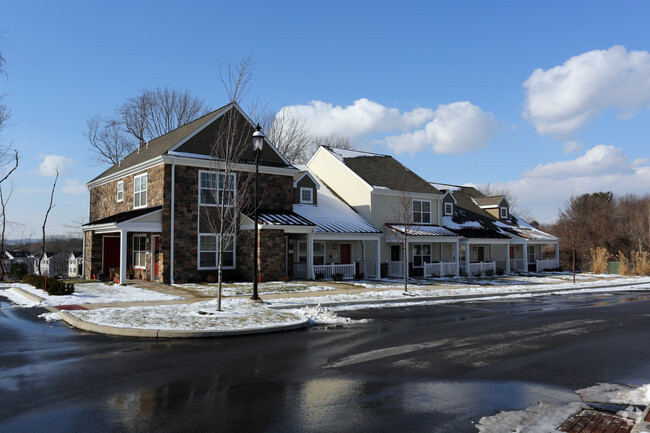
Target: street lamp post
(258, 142)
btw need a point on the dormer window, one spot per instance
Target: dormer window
(306, 195)
(503, 212)
(449, 209)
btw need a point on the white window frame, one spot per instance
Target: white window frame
(449, 209)
(421, 213)
(503, 212)
(140, 254)
(215, 251)
(120, 191)
(217, 189)
(140, 190)
(311, 195)
(422, 255)
(314, 255)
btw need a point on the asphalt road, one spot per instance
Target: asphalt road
(425, 369)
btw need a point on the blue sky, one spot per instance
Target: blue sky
(545, 99)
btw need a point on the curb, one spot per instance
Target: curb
(642, 425)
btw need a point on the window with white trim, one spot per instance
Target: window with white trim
(422, 211)
(449, 209)
(216, 188)
(120, 191)
(319, 253)
(504, 212)
(209, 251)
(140, 191)
(421, 255)
(306, 195)
(140, 251)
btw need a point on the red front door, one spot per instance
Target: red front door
(345, 254)
(111, 254)
(156, 256)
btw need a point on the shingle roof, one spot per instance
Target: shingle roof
(124, 216)
(383, 171)
(492, 201)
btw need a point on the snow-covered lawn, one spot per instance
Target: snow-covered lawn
(245, 289)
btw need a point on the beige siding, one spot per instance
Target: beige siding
(386, 208)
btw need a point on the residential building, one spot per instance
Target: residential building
(75, 264)
(11, 257)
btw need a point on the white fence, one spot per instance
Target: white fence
(368, 268)
(396, 269)
(440, 269)
(544, 264)
(329, 271)
(474, 268)
(518, 265)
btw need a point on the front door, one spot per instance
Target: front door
(346, 254)
(156, 258)
(111, 255)
(480, 254)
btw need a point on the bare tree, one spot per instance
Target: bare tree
(515, 208)
(47, 213)
(225, 191)
(290, 136)
(150, 114)
(4, 109)
(403, 215)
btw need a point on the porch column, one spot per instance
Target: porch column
(525, 248)
(310, 256)
(508, 258)
(456, 254)
(123, 237)
(378, 261)
(467, 254)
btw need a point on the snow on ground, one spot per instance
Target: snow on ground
(235, 314)
(546, 417)
(85, 293)
(323, 315)
(244, 289)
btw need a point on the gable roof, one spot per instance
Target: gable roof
(123, 216)
(194, 139)
(382, 171)
(489, 202)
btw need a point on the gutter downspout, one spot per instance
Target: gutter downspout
(171, 230)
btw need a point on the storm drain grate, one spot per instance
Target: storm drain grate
(593, 421)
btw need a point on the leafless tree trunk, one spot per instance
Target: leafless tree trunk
(403, 214)
(47, 213)
(4, 109)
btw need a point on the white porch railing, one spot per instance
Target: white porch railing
(517, 265)
(396, 269)
(440, 269)
(329, 271)
(300, 270)
(544, 264)
(368, 268)
(481, 266)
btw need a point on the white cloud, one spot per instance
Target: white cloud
(74, 187)
(562, 99)
(50, 164)
(572, 146)
(361, 118)
(31, 190)
(545, 189)
(456, 128)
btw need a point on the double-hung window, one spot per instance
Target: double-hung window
(120, 191)
(421, 255)
(140, 191)
(306, 195)
(209, 251)
(319, 253)
(140, 251)
(449, 209)
(422, 211)
(216, 188)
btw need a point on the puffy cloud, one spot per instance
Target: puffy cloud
(361, 118)
(51, 163)
(572, 146)
(562, 99)
(74, 187)
(545, 189)
(456, 128)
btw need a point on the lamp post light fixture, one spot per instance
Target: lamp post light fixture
(258, 143)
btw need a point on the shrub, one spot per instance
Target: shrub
(54, 286)
(337, 276)
(641, 263)
(211, 279)
(478, 273)
(359, 276)
(500, 271)
(435, 275)
(19, 270)
(319, 276)
(599, 260)
(624, 264)
(489, 272)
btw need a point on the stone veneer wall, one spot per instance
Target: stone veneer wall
(103, 198)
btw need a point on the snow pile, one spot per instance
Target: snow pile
(543, 418)
(616, 394)
(322, 315)
(50, 317)
(18, 299)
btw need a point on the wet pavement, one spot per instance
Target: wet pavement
(435, 368)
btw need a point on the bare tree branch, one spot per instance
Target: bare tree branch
(47, 213)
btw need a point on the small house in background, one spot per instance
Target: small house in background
(53, 264)
(12, 257)
(75, 264)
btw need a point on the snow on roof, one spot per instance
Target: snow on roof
(422, 230)
(444, 186)
(332, 215)
(340, 154)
